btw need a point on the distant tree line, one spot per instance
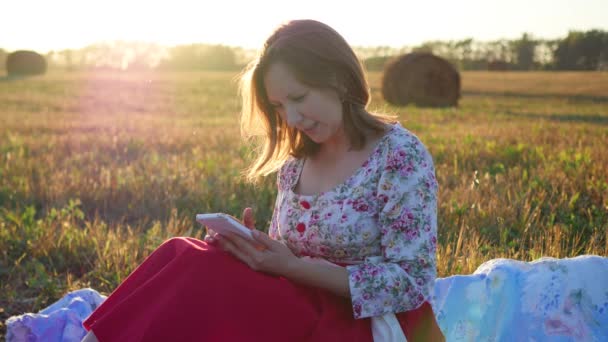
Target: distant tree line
(579, 50)
(139, 56)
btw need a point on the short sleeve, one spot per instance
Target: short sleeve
(404, 278)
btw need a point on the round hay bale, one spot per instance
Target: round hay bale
(24, 62)
(498, 66)
(422, 79)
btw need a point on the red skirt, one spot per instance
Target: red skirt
(188, 290)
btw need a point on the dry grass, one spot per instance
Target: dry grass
(538, 83)
(96, 170)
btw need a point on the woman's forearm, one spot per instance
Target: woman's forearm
(329, 277)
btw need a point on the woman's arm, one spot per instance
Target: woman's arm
(404, 279)
(327, 276)
(277, 259)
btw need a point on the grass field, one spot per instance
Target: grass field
(97, 169)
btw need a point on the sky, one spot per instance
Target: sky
(45, 25)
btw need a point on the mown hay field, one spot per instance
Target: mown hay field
(97, 169)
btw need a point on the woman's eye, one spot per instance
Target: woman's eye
(299, 98)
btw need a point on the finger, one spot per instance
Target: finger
(246, 246)
(248, 219)
(213, 238)
(231, 248)
(263, 239)
(225, 244)
(210, 232)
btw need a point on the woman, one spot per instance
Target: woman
(350, 254)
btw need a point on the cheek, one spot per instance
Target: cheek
(333, 107)
(329, 111)
(334, 113)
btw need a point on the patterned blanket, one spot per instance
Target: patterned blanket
(545, 300)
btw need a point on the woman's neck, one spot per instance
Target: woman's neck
(335, 147)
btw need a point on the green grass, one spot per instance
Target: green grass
(97, 169)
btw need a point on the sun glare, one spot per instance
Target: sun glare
(65, 24)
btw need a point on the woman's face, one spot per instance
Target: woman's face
(315, 112)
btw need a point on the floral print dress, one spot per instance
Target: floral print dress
(381, 222)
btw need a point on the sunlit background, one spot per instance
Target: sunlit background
(62, 24)
(122, 124)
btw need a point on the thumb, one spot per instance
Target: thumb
(248, 219)
(262, 238)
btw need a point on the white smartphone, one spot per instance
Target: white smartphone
(224, 223)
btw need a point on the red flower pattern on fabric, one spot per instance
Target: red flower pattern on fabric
(301, 227)
(305, 205)
(396, 193)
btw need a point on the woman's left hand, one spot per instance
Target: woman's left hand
(265, 254)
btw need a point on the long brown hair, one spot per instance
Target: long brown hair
(320, 58)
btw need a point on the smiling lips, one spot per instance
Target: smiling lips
(310, 128)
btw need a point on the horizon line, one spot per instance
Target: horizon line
(9, 49)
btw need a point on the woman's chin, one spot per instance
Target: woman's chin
(314, 138)
(312, 135)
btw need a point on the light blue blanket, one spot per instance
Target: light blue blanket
(503, 300)
(545, 300)
(61, 321)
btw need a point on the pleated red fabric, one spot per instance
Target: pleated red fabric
(188, 290)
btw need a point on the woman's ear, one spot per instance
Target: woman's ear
(341, 90)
